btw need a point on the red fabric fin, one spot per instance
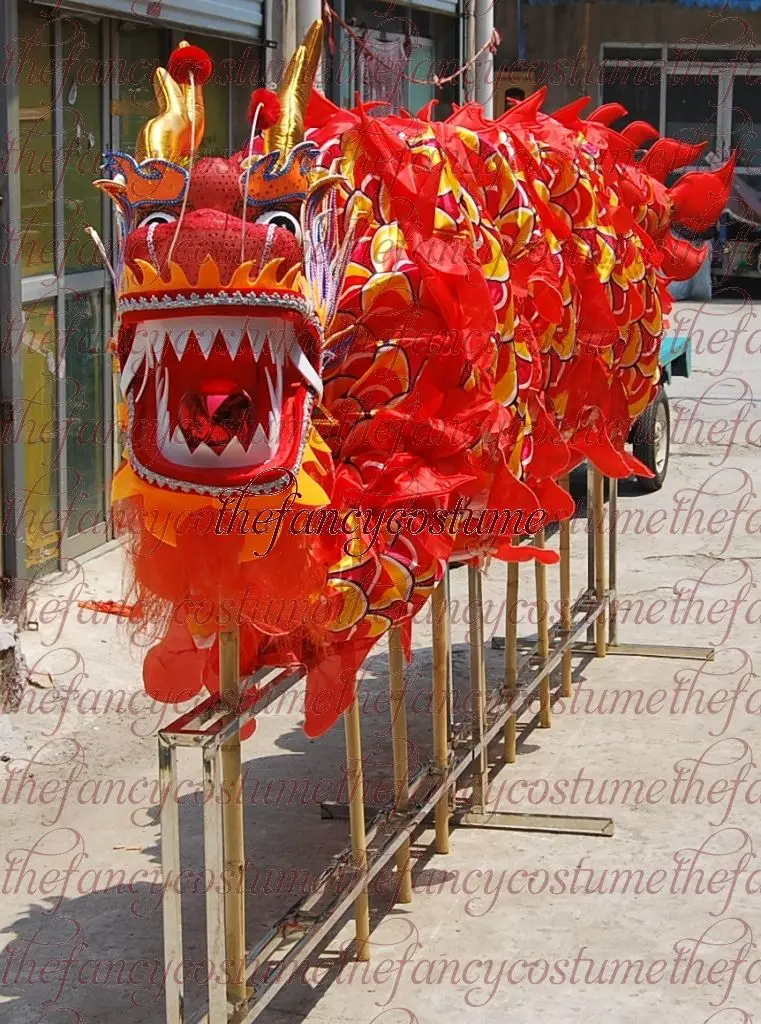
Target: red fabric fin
(331, 686)
(639, 132)
(681, 259)
(607, 114)
(525, 112)
(570, 115)
(504, 551)
(699, 197)
(556, 502)
(173, 670)
(426, 113)
(667, 155)
(319, 110)
(637, 468)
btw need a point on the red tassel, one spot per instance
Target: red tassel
(270, 111)
(187, 61)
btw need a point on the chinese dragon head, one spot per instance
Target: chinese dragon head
(377, 322)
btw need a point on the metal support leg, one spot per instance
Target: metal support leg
(357, 825)
(440, 609)
(478, 686)
(511, 659)
(234, 845)
(401, 760)
(172, 899)
(565, 596)
(543, 631)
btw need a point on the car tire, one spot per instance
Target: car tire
(652, 441)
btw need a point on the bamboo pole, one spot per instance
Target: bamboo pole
(543, 633)
(440, 726)
(234, 846)
(511, 660)
(565, 595)
(599, 525)
(401, 760)
(591, 520)
(357, 825)
(477, 684)
(613, 562)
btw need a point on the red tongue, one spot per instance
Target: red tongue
(213, 402)
(217, 414)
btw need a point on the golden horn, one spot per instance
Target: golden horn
(294, 95)
(167, 136)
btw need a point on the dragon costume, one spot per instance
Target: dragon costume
(365, 346)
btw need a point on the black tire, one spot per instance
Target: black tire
(652, 441)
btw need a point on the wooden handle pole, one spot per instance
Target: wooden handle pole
(440, 716)
(511, 660)
(599, 488)
(543, 633)
(478, 685)
(357, 824)
(399, 742)
(565, 595)
(234, 846)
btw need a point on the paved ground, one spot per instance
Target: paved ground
(660, 919)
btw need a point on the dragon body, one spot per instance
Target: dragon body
(335, 341)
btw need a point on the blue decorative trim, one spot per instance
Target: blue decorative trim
(149, 170)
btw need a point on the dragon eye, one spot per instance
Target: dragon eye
(157, 217)
(281, 219)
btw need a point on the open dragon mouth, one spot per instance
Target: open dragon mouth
(219, 397)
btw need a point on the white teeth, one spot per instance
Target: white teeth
(148, 354)
(259, 449)
(305, 368)
(179, 337)
(158, 340)
(257, 337)
(234, 454)
(233, 335)
(131, 365)
(274, 431)
(162, 406)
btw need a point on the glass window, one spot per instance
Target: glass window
(35, 150)
(420, 66)
(746, 120)
(636, 88)
(246, 66)
(40, 502)
(141, 50)
(692, 103)
(216, 97)
(87, 434)
(82, 143)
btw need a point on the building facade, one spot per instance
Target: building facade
(692, 70)
(76, 81)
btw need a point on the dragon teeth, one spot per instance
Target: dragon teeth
(305, 368)
(233, 335)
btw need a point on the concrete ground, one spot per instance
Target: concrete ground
(662, 918)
